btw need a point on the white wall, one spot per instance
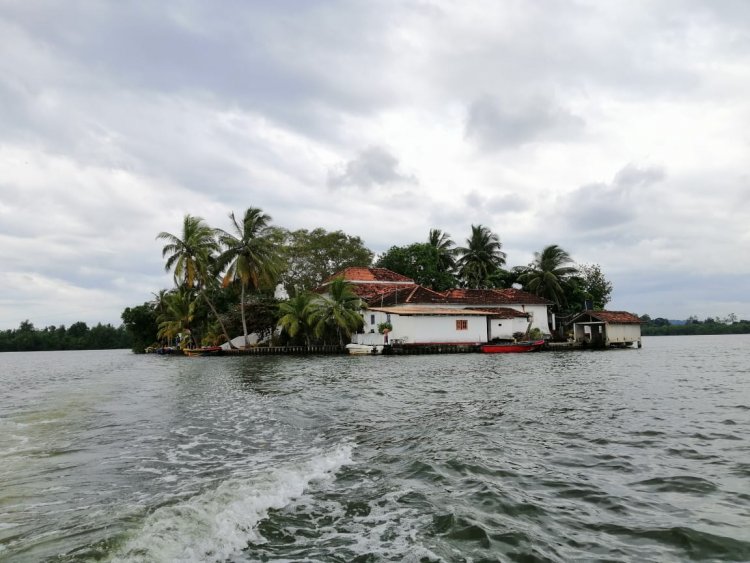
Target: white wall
(417, 329)
(623, 333)
(505, 328)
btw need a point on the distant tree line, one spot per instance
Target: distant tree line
(692, 325)
(78, 336)
(224, 280)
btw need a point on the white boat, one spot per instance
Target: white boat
(359, 349)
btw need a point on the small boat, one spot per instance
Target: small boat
(366, 349)
(205, 351)
(511, 347)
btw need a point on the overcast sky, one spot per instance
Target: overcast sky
(618, 130)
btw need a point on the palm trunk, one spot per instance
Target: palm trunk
(218, 318)
(242, 311)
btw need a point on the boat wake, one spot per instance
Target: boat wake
(218, 523)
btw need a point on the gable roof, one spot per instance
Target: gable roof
(509, 296)
(409, 295)
(370, 275)
(610, 317)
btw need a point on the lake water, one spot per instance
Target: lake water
(625, 455)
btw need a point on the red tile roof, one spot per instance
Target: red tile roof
(357, 274)
(494, 297)
(611, 317)
(502, 312)
(408, 295)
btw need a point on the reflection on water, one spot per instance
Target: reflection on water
(627, 455)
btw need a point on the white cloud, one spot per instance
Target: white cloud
(613, 129)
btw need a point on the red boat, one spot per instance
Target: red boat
(510, 347)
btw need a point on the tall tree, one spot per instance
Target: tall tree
(549, 274)
(250, 255)
(191, 256)
(445, 248)
(337, 309)
(595, 284)
(481, 258)
(313, 256)
(420, 262)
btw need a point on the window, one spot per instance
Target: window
(372, 319)
(462, 324)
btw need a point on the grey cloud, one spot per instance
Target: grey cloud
(506, 203)
(607, 206)
(497, 124)
(374, 166)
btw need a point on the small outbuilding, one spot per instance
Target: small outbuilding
(604, 329)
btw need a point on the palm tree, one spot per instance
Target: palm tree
(251, 256)
(177, 314)
(445, 249)
(549, 273)
(296, 314)
(481, 257)
(338, 308)
(191, 255)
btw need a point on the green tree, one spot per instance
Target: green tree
(177, 314)
(549, 273)
(140, 322)
(481, 258)
(595, 284)
(420, 262)
(445, 248)
(192, 257)
(295, 316)
(313, 256)
(250, 254)
(337, 309)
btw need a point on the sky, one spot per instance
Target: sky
(617, 130)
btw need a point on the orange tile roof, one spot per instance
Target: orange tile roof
(358, 274)
(611, 317)
(502, 312)
(406, 295)
(509, 296)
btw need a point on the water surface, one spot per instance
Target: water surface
(626, 455)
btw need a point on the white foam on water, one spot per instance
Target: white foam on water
(214, 525)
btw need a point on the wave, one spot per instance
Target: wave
(218, 523)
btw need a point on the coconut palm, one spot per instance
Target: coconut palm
(549, 273)
(178, 310)
(444, 246)
(481, 257)
(295, 315)
(191, 256)
(250, 255)
(338, 309)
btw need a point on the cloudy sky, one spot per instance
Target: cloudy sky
(619, 130)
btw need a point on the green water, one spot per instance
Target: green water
(627, 455)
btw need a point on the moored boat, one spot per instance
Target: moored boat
(511, 347)
(205, 351)
(367, 349)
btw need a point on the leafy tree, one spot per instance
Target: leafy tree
(191, 255)
(549, 273)
(141, 324)
(251, 255)
(313, 256)
(337, 309)
(295, 316)
(261, 315)
(481, 258)
(598, 288)
(420, 262)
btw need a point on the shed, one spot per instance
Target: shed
(607, 329)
